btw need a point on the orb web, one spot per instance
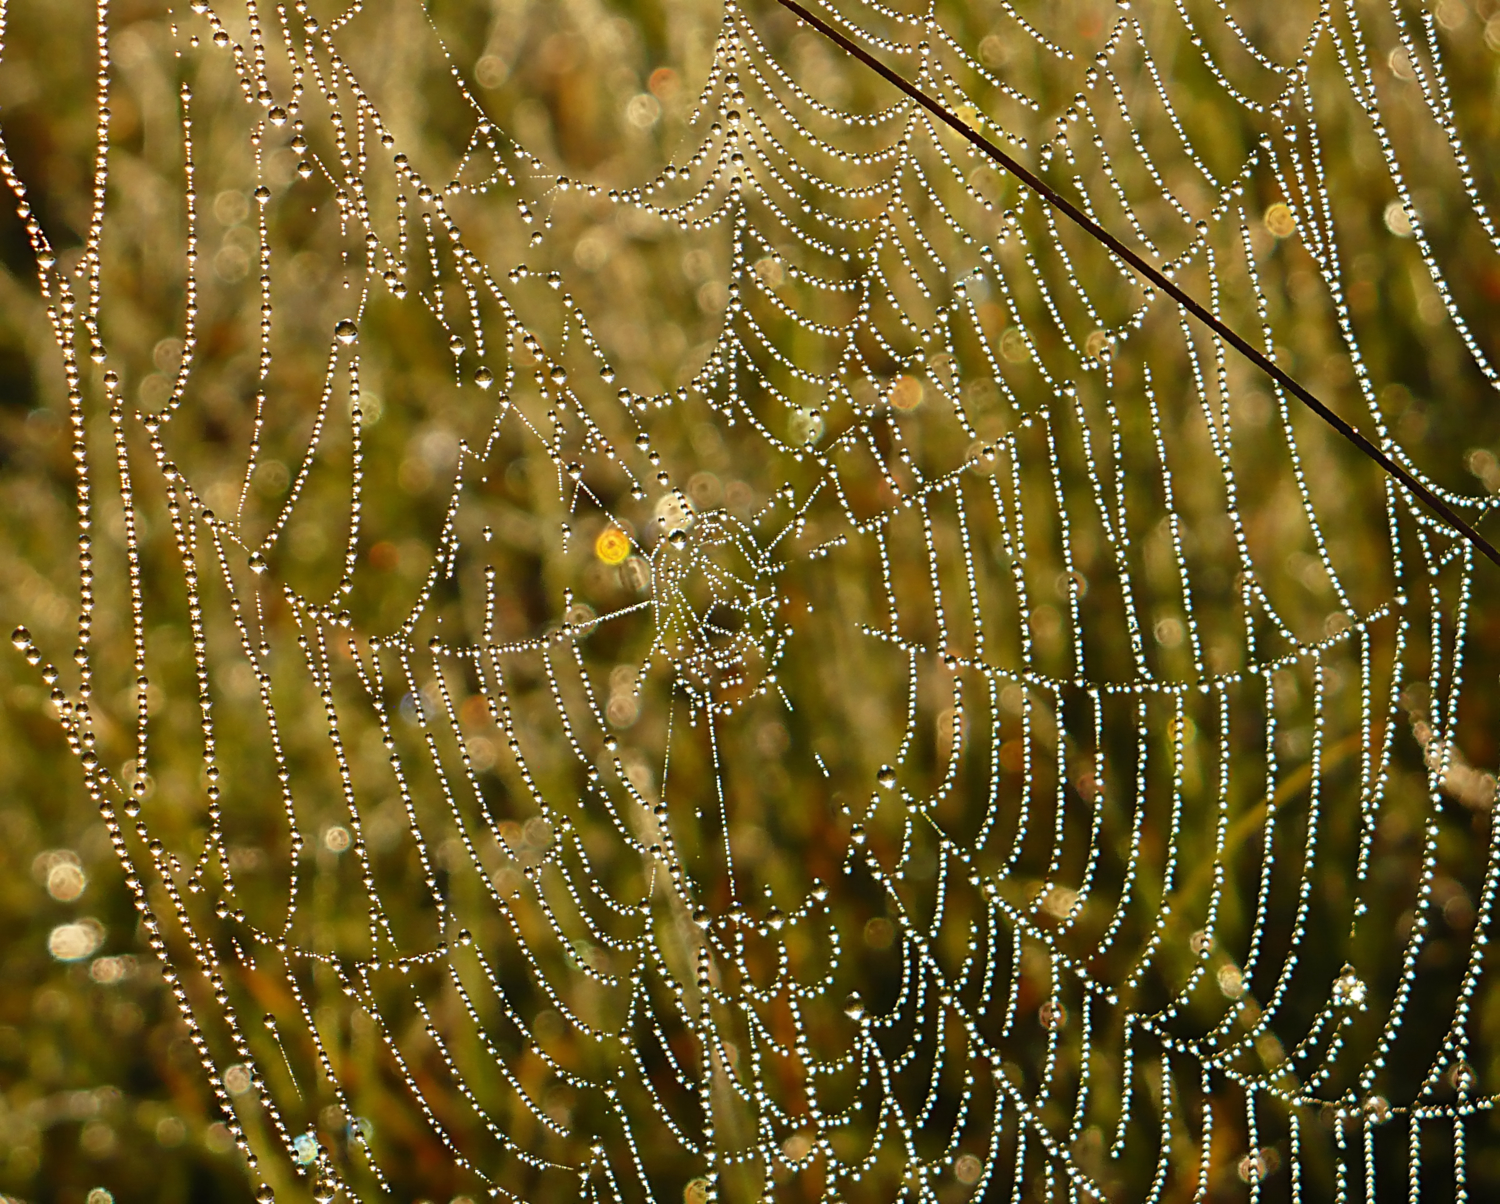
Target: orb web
(956, 731)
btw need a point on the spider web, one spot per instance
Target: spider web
(968, 734)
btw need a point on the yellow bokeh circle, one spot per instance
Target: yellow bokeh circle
(612, 546)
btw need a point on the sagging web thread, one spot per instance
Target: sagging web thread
(1058, 772)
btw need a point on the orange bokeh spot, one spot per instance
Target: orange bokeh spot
(384, 556)
(663, 83)
(906, 393)
(612, 546)
(475, 711)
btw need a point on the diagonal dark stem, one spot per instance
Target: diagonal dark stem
(1157, 278)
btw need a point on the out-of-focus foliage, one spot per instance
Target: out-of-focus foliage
(101, 1085)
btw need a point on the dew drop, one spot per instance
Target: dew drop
(345, 332)
(886, 776)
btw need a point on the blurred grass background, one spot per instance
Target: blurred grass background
(101, 1087)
